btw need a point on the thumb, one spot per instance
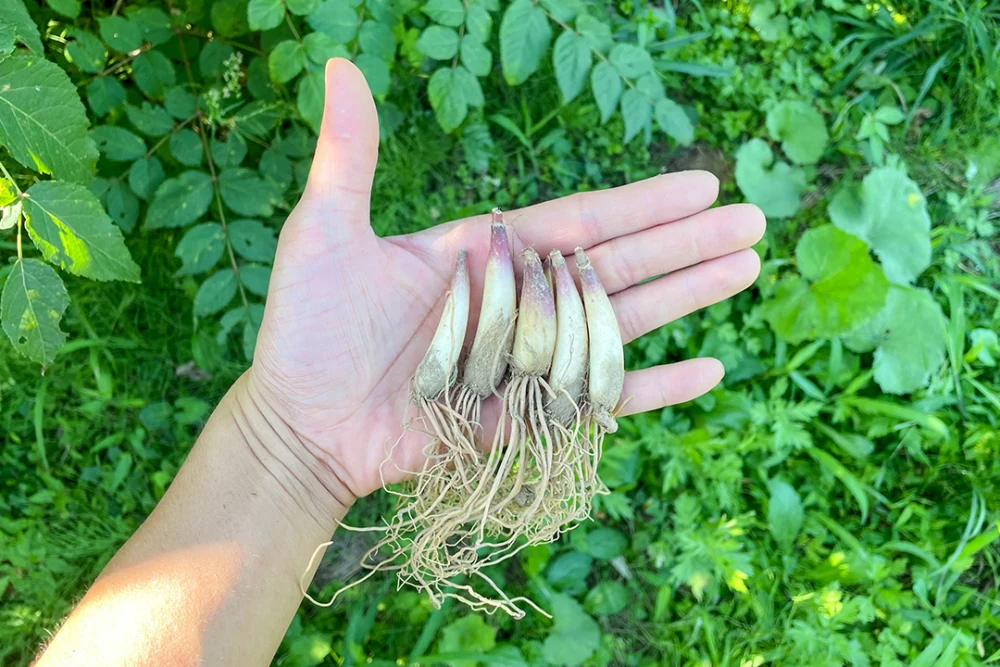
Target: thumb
(344, 162)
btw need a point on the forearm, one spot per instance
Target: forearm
(211, 577)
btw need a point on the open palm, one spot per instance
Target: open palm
(349, 315)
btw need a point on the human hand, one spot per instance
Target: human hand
(349, 315)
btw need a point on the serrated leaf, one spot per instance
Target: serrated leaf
(471, 89)
(153, 121)
(123, 206)
(630, 60)
(215, 293)
(597, 33)
(672, 120)
(776, 187)
(253, 240)
(800, 129)
(286, 60)
(311, 90)
(186, 147)
(438, 42)
(445, 12)
(320, 48)
(180, 201)
(42, 122)
(86, 51)
(651, 86)
(476, 57)
(302, 7)
(376, 73)
(31, 306)
(478, 24)
(265, 14)
(336, 19)
(228, 153)
(574, 637)
(606, 85)
(118, 144)
(25, 31)
(636, 111)
(145, 176)
(524, 38)
(153, 23)
(841, 288)
(179, 103)
(784, 514)
(889, 213)
(104, 94)
(571, 59)
(376, 38)
(447, 98)
(71, 230)
(200, 248)
(255, 278)
(244, 191)
(153, 73)
(910, 337)
(119, 33)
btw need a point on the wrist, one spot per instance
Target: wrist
(307, 483)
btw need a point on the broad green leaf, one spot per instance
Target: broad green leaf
(606, 543)
(775, 187)
(200, 248)
(910, 337)
(215, 293)
(606, 598)
(8, 194)
(118, 144)
(153, 23)
(447, 98)
(145, 176)
(244, 191)
(253, 240)
(42, 122)
(229, 17)
(800, 129)
(889, 213)
(636, 111)
(67, 8)
(310, 99)
(180, 201)
(302, 7)
(597, 33)
(607, 87)
(469, 634)
(213, 56)
(153, 121)
(119, 33)
(257, 118)
(308, 650)
(651, 86)
(768, 24)
(841, 287)
(475, 56)
(471, 89)
(7, 38)
(563, 10)
(122, 205)
(153, 73)
(631, 61)
(376, 73)
(258, 80)
(336, 19)
(71, 230)
(15, 15)
(438, 42)
(31, 306)
(104, 94)
(784, 514)
(478, 24)
(276, 168)
(446, 12)
(574, 636)
(86, 51)
(376, 38)
(186, 147)
(321, 47)
(571, 59)
(265, 14)
(255, 278)
(228, 153)
(524, 38)
(889, 115)
(180, 103)
(286, 60)
(569, 572)
(672, 120)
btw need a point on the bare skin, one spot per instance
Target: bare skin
(211, 577)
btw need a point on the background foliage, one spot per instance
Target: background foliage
(834, 502)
